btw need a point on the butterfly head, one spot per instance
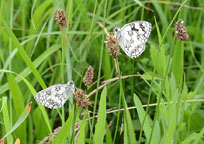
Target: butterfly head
(71, 85)
(115, 29)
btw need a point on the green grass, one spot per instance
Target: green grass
(163, 104)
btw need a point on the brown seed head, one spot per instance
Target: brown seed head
(181, 31)
(112, 44)
(48, 139)
(61, 18)
(88, 78)
(81, 99)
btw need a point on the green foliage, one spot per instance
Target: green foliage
(100, 125)
(36, 53)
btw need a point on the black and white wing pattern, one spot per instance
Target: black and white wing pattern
(132, 37)
(55, 96)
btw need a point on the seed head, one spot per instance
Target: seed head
(88, 78)
(112, 44)
(48, 139)
(181, 31)
(61, 18)
(81, 99)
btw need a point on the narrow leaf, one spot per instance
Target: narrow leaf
(20, 120)
(147, 124)
(101, 121)
(64, 132)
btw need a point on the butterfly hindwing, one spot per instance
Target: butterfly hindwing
(55, 96)
(133, 36)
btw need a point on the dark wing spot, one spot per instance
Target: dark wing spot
(48, 92)
(133, 27)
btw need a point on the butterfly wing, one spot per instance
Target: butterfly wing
(54, 97)
(133, 36)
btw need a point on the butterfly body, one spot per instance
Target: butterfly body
(55, 96)
(133, 36)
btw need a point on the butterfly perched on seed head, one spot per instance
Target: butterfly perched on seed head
(132, 37)
(55, 96)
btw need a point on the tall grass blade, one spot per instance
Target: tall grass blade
(6, 119)
(101, 121)
(64, 132)
(20, 120)
(18, 102)
(24, 54)
(148, 122)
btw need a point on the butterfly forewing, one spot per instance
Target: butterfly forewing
(133, 36)
(55, 96)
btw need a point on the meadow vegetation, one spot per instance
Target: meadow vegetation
(155, 98)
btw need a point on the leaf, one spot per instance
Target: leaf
(23, 54)
(200, 136)
(32, 90)
(101, 121)
(177, 62)
(20, 120)
(6, 119)
(36, 63)
(64, 132)
(39, 124)
(81, 138)
(147, 124)
(128, 125)
(160, 58)
(4, 99)
(18, 102)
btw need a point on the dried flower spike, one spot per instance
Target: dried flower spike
(48, 139)
(112, 44)
(88, 78)
(61, 18)
(81, 99)
(181, 31)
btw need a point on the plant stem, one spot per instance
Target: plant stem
(120, 98)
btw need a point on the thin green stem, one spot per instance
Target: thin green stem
(64, 39)
(100, 66)
(119, 102)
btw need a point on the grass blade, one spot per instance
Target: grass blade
(101, 121)
(6, 119)
(147, 124)
(36, 63)
(64, 132)
(32, 90)
(24, 54)
(20, 120)
(18, 102)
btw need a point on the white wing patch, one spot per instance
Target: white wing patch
(132, 37)
(55, 96)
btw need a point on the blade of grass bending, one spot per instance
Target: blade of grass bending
(20, 120)
(64, 132)
(36, 63)
(6, 119)
(18, 102)
(101, 121)
(44, 113)
(8, 61)
(24, 54)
